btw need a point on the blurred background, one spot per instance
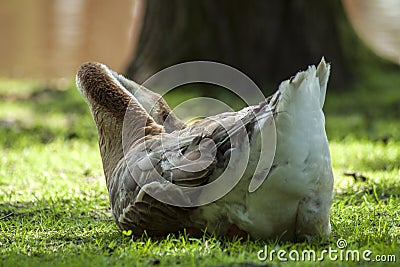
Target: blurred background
(45, 39)
(267, 40)
(378, 24)
(43, 42)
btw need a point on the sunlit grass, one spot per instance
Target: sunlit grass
(54, 208)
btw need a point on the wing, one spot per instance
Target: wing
(143, 174)
(164, 166)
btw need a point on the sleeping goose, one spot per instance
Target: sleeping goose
(164, 176)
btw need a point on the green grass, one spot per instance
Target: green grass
(54, 208)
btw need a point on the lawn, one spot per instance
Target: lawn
(54, 208)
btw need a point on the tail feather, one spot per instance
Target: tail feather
(323, 71)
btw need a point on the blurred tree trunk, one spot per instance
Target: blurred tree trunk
(267, 40)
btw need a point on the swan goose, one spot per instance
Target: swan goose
(292, 203)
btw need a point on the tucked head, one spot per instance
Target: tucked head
(101, 90)
(109, 101)
(153, 103)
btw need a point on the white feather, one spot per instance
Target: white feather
(295, 199)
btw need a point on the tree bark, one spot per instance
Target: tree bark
(267, 40)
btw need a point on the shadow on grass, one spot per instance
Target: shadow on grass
(377, 192)
(54, 223)
(56, 114)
